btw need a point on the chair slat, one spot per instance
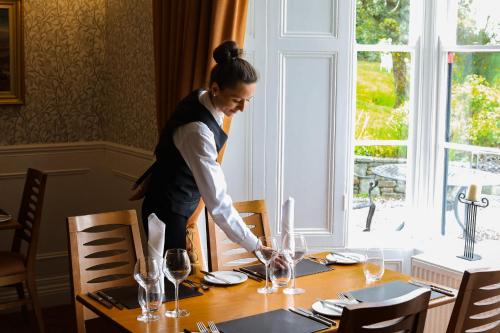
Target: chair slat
(477, 322)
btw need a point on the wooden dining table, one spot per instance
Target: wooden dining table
(221, 304)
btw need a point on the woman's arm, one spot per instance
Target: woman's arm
(196, 144)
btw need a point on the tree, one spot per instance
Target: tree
(379, 20)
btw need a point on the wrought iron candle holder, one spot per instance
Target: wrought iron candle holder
(470, 225)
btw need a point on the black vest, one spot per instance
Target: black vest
(172, 184)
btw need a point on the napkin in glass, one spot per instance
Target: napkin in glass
(156, 242)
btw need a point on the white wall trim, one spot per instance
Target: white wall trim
(16, 150)
(124, 175)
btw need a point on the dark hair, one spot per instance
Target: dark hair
(231, 68)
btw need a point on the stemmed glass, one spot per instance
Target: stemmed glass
(374, 264)
(147, 273)
(176, 268)
(266, 252)
(294, 248)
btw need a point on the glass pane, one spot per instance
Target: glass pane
(478, 22)
(379, 188)
(465, 168)
(475, 101)
(384, 22)
(382, 95)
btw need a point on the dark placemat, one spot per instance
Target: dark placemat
(127, 295)
(387, 291)
(303, 268)
(277, 321)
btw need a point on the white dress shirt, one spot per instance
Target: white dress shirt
(196, 143)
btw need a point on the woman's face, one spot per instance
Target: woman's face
(231, 100)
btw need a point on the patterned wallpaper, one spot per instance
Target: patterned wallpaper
(88, 74)
(130, 116)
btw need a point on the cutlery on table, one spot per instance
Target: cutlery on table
(201, 285)
(312, 317)
(213, 328)
(110, 299)
(257, 274)
(329, 304)
(215, 277)
(201, 327)
(433, 287)
(317, 315)
(345, 256)
(250, 276)
(347, 297)
(100, 300)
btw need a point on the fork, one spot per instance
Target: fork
(201, 327)
(213, 328)
(346, 297)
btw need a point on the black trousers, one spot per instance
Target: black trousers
(175, 224)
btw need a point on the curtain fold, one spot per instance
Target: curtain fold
(185, 34)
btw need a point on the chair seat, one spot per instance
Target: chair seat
(11, 263)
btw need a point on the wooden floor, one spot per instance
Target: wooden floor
(60, 319)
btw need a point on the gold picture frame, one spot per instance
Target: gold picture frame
(11, 52)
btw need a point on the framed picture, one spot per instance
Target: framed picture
(11, 52)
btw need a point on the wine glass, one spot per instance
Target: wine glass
(176, 268)
(265, 253)
(294, 248)
(147, 274)
(155, 297)
(374, 264)
(279, 271)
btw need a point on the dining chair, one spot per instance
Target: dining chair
(477, 308)
(103, 248)
(223, 254)
(17, 266)
(406, 313)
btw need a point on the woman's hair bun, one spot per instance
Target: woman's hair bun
(226, 52)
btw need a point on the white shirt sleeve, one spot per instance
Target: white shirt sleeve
(196, 143)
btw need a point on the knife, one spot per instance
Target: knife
(438, 289)
(345, 256)
(250, 276)
(317, 315)
(257, 274)
(110, 299)
(215, 277)
(319, 320)
(100, 300)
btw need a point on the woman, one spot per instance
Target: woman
(186, 168)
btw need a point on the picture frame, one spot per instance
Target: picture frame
(11, 52)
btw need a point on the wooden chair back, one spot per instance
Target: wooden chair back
(402, 314)
(103, 250)
(477, 308)
(223, 254)
(30, 215)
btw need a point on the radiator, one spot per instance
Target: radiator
(437, 318)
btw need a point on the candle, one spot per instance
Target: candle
(473, 192)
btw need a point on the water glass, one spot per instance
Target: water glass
(374, 264)
(280, 271)
(147, 274)
(176, 267)
(265, 252)
(154, 299)
(294, 248)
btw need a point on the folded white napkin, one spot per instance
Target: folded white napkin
(287, 220)
(156, 242)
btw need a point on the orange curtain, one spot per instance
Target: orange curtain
(185, 34)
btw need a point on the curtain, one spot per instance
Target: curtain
(185, 34)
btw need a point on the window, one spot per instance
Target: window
(471, 138)
(420, 135)
(385, 44)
